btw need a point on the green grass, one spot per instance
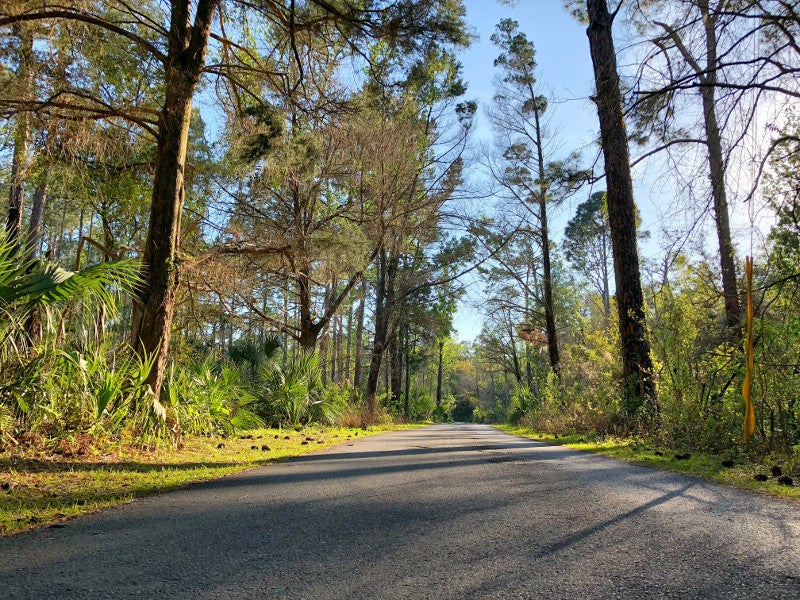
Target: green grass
(43, 488)
(707, 466)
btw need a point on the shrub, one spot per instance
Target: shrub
(206, 397)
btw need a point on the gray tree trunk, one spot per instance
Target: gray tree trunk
(21, 135)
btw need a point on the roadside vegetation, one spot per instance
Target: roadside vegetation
(42, 486)
(733, 468)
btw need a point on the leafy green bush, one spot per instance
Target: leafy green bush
(421, 405)
(207, 397)
(60, 374)
(249, 354)
(65, 391)
(523, 403)
(293, 394)
(440, 414)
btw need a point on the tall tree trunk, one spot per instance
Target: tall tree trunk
(340, 349)
(155, 302)
(716, 165)
(407, 370)
(384, 299)
(606, 292)
(707, 80)
(35, 228)
(547, 277)
(325, 342)
(308, 332)
(334, 325)
(439, 374)
(36, 224)
(514, 354)
(348, 374)
(528, 365)
(359, 341)
(21, 135)
(324, 346)
(637, 367)
(528, 354)
(396, 352)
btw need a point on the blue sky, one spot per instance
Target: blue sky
(564, 73)
(562, 51)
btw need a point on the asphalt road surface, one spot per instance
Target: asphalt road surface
(448, 511)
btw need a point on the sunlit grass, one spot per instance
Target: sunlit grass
(700, 464)
(41, 488)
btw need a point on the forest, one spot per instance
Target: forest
(229, 214)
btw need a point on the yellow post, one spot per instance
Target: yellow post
(747, 386)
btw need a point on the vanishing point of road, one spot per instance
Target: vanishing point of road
(447, 511)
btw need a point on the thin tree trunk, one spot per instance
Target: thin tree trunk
(637, 367)
(606, 293)
(338, 355)
(324, 344)
(359, 342)
(716, 165)
(528, 357)
(348, 374)
(384, 299)
(439, 374)
(407, 371)
(62, 232)
(395, 352)
(335, 348)
(707, 78)
(528, 365)
(549, 312)
(514, 355)
(32, 328)
(21, 136)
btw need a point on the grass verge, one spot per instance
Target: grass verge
(707, 466)
(39, 488)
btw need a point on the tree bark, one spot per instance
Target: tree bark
(36, 224)
(21, 136)
(439, 374)
(549, 312)
(637, 367)
(155, 302)
(707, 80)
(605, 292)
(384, 299)
(407, 371)
(396, 352)
(348, 343)
(514, 354)
(716, 165)
(359, 335)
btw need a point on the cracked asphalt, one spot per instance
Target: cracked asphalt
(447, 511)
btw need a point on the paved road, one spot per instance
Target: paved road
(449, 511)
